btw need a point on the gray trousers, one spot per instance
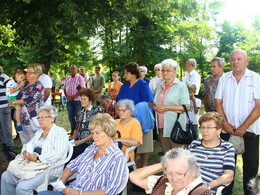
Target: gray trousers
(6, 126)
(10, 187)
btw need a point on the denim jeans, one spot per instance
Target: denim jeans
(73, 108)
(6, 127)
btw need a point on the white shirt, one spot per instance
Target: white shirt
(47, 83)
(193, 77)
(153, 84)
(239, 98)
(11, 84)
(194, 117)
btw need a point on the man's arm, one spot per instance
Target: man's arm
(227, 127)
(206, 104)
(253, 116)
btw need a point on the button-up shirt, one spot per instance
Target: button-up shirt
(106, 173)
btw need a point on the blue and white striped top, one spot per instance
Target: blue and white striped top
(106, 173)
(213, 161)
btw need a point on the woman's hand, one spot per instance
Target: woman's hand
(161, 109)
(11, 104)
(30, 157)
(70, 191)
(78, 142)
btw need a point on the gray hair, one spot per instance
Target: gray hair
(178, 153)
(193, 62)
(82, 67)
(53, 112)
(170, 62)
(158, 66)
(129, 104)
(143, 68)
(221, 61)
(105, 97)
(240, 50)
(255, 184)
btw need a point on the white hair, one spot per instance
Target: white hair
(158, 66)
(143, 68)
(170, 62)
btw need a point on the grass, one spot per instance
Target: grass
(153, 158)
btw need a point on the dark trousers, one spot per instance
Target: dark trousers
(250, 158)
(73, 107)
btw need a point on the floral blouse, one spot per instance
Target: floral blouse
(33, 99)
(83, 118)
(152, 180)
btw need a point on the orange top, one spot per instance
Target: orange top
(113, 89)
(130, 130)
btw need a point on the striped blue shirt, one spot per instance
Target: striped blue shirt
(213, 161)
(106, 173)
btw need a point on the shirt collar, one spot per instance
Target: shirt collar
(174, 82)
(191, 72)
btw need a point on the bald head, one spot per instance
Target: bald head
(238, 61)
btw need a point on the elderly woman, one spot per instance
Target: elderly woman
(129, 128)
(82, 134)
(215, 156)
(169, 97)
(101, 167)
(50, 145)
(30, 98)
(137, 90)
(181, 175)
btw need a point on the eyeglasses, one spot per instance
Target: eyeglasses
(207, 128)
(121, 110)
(167, 71)
(142, 71)
(177, 175)
(43, 117)
(157, 70)
(30, 72)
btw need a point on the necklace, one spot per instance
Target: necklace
(123, 122)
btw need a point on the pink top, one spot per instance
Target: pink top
(71, 84)
(161, 98)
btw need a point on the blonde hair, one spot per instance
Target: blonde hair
(37, 67)
(105, 122)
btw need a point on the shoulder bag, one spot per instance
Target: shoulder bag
(180, 136)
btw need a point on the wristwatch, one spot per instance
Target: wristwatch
(37, 159)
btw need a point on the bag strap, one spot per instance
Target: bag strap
(186, 111)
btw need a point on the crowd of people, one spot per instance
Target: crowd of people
(103, 125)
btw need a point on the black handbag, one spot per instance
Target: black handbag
(180, 136)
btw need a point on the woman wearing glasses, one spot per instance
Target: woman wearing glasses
(48, 146)
(129, 128)
(181, 175)
(30, 98)
(170, 95)
(215, 156)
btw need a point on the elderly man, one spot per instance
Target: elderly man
(72, 85)
(211, 83)
(47, 84)
(154, 81)
(238, 101)
(143, 71)
(192, 76)
(5, 118)
(108, 105)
